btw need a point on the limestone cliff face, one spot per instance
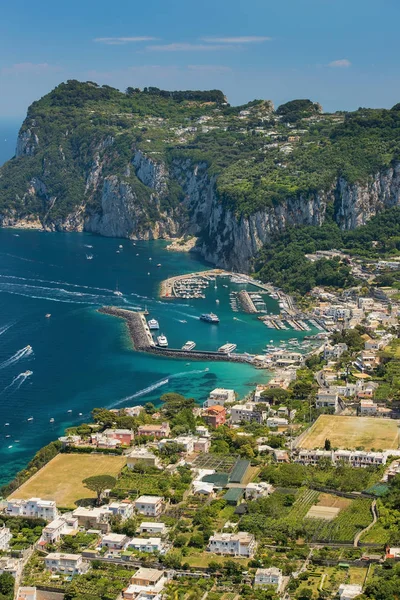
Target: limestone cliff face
(132, 204)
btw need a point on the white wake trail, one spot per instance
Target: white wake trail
(5, 328)
(19, 380)
(23, 353)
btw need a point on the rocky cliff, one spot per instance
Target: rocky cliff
(233, 178)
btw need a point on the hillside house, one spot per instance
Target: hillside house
(151, 506)
(125, 436)
(271, 576)
(247, 412)
(5, 537)
(69, 564)
(34, 507)
(232, 544)
(143, 456)
(327, 399)
(64, 525)
(220, 396)
(215, 416)
(150, 581)
(157, 431)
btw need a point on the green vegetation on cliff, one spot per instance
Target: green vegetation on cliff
(283, 261)
(260, 157)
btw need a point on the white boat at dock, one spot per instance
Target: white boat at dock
(153, 324)
(189, 345)
(162, 341)
(227, 348)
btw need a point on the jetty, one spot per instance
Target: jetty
(143, 341)
(246, 302)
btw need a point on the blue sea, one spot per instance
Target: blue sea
(8, 137)
(64, 366)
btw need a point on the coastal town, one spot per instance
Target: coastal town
(284, 493)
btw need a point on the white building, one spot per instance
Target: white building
(247, 412)
(327, 399)
(124, 509)
(10, 565)
(91, 517)
(152, 544)
(114, 541)
(145, 581)
(356, 458)
(159, 529)
(202, 431)
(69, 564)
(26, 593)
(258, 490)
(368, 407)
(271, 576)
(5, 537)
(141, 455)
(151, 506)
(220, 396)
(349, 591)
(232, 544)
(61, 526)
(34, 507)
(277, 422)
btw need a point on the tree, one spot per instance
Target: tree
(327, 444)
(99, 483)
(7, 582)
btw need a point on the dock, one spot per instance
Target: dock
(143, 341)
(246, 302)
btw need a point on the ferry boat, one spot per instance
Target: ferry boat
(209, 318)
(189, 345)
(227, 348)
(153, 324)
(162, 341)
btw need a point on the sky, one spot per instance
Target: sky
(341, 53)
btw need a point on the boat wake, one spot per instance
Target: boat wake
(17, 381)
(23, 353)
(156, 385)
(5, 328)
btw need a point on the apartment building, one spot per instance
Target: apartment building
(232, 544)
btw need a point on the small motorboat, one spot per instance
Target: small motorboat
(30, 419)
(47, 315)
(52, 420)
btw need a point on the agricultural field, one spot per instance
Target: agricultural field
(352, 433)
(61, 479)
(328, 579)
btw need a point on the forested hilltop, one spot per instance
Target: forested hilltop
(153, 163)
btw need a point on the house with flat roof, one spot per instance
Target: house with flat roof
(157, 431)
(151, 506)
(5, 537)
(10, 565)
(248, 412)
(271, 576)
(142, 455)
(93, 518)
(123, 509)
(220, 396)
(26, 593)
(150, 581)
(69, 564)
(125, 436)
(114, 541)
(232, 544)
(258, 490)
(34, 507)
(214, 415)
(63, 525)
(327, 399)
(151, 544)
(202, 445)
(153, 527)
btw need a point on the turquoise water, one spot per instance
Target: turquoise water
(81, 359)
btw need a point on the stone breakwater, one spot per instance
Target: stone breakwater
(143, 341)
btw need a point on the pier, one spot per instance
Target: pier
(246, 302)
(143, 341)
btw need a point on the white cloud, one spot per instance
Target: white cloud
(244, 39)
(118, 41)
(185, 47)
(28, 67)
(209, 68)
(342, 63)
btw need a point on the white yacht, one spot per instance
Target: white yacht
(227, 348)
(189, 345)
(153, 324)
(162, 341)
(117, 292)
